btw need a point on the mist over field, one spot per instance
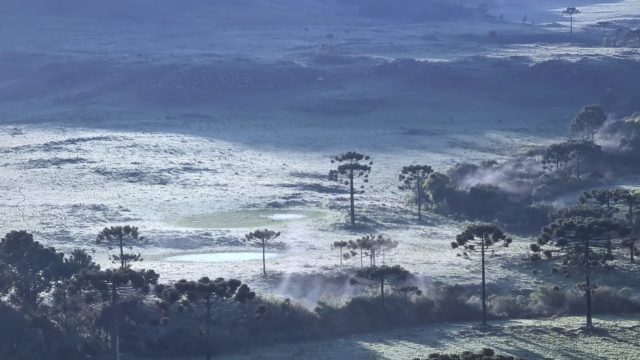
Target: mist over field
(319, 179)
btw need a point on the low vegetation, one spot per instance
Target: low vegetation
(484, 354)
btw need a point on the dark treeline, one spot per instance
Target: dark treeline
(519, 193)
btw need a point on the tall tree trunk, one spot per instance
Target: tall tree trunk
(588, 284)
(65, 305)
(340, 256)
(264, 262)
(484, 297)
(571, 28)
(115, 338)
(419, 195)
(351, 191)
(382, 292)
(122, 264)
(207, 327)
(361, 264)
(32, 295)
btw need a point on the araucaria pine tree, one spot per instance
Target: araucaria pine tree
(578, 237)
(381, 275)
(571, 11)
(351, 166)
(113, 284)
(208, 291)
(262, 238)
(122, 237)
(340, 245)
(411, 178)
(479, 237)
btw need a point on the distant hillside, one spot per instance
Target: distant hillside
(421, 10)
(226, 11)
(260, 11)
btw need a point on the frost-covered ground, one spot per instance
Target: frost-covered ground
(194, 194)
(107, 122)
(83, 149)
(616, 338)
(624, 11)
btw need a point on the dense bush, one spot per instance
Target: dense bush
(552, 301)
(484, 202)
(33, 338)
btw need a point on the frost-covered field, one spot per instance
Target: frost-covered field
(79, 153)
(194, 194)
(128, 122)
(616, 338)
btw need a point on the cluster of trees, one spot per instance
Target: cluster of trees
(613, 212)
(92, 309)
(572, 235)
(83, 307)
(353, 166)
(516, 193)
(585, 236)
(572, 238)
(588, 234)
(368, 246)
(89, 310)
(205, 293)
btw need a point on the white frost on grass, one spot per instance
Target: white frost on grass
(621, 11)
(221, 257)
(201, 194)
(559, 338)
